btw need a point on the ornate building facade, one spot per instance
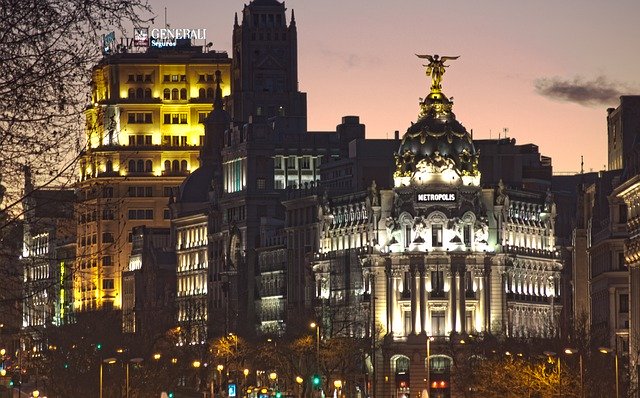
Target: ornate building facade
(436, 256)
(143, 135)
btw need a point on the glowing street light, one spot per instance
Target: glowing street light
(196, 364)
(607, 350)
(572, 351)
(157, 356)
(108, 361)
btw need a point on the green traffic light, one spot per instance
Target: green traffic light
(170, 395)
(66, 366)
(99, 346)
(278, 394)
(11, 383)
(316, 380)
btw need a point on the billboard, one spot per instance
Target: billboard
(141, 37)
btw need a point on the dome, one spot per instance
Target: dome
(436, 143)
(195, 188)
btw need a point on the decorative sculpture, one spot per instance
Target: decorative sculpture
(436, 69)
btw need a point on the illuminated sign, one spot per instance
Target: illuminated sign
(231, 389)
(141, 37)
(437, 197)
(166, 37)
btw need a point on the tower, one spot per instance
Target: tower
(265, 65)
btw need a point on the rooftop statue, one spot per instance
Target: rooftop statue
(436, 69)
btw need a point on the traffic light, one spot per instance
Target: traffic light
(99, 346)
(278, 394)
(315, 381)
(170, 394)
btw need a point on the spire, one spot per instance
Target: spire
(293, 17)
(235, 22)
(217, 101)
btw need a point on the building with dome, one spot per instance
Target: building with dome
(438, 256)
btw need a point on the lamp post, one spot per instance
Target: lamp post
(317, 328)
(108, 361)
(571, 351)
(220, 367)
(273, 376)
(299, 380)
(133, 361)
(429, 340)
(338, 385)
(606, 350)
(551, 354)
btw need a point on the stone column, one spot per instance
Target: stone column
(453, 285)
(414, 297)
(497, 298)
(423, 301)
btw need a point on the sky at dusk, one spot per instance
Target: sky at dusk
(546, 70)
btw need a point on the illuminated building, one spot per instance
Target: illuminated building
(143, 135)
(438, 255)
(47, 257)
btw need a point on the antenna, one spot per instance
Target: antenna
(166, 25)
(581, 164)
(489, 133)
(505, 130)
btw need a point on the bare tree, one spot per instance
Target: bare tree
(47, 49)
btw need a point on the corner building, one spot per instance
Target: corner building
(143, 133)
(436, 256)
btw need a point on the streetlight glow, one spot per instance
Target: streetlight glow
(196, 364)
(156, 356)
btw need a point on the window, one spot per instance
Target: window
(107, 237)
(139, 117)
(130, 79)
(165, 78)
(166, 94)
(139, 78)
(132, 93)
(305, 163)
(166, 214)
(107, 214)
(260, 183)
(202, 116)
(183, 78)
(140, 214)
(407, 236)
(175, 118)
(147, 93)
(107, 192)
(202, 93)
(167, 191)
(436, 235)
(467, 235)
(277, 163)
(291, 162)
(437, 323)
(106, 261)
(183, 93)
(209, 93)
(624, 303)
(174, 78)
(147, 79)
(183, 165)
(437, 281)
(621, 264)
(107, 283)
(139, 93)
(148, 165)
(174, 94)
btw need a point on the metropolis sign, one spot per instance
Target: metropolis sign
(444, 197)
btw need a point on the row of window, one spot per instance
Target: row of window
(183, 78)
(175, 94)
(304, 162)
(140, 139)
(175, 118)
(140, 214)
(139, 79)
(140, 192)
(139, 117)
(107, 237)
(147, 140)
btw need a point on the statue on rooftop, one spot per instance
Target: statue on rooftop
(436, 69)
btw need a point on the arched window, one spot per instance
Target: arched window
(140, 165)
(209, 92)
(148, 166)
(132, 93)
(139, 93)
(183, 93)
(109, 166)
(202, 93)
(174, 94)
(183, 165)
(166, 94)
(175, 166)
(147, 93)
(132, 166)
(167, 165)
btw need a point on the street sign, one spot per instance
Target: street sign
(231, 389)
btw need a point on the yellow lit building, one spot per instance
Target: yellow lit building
(143, 137)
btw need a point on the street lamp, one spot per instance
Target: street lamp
(299, 380)
(108, 361)
(317, 328)
(429, 340)
(133, 361)
(571, 351)
(607, 350)
(552, 354)
(338, 386)
(196, 364)
(157, 356)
